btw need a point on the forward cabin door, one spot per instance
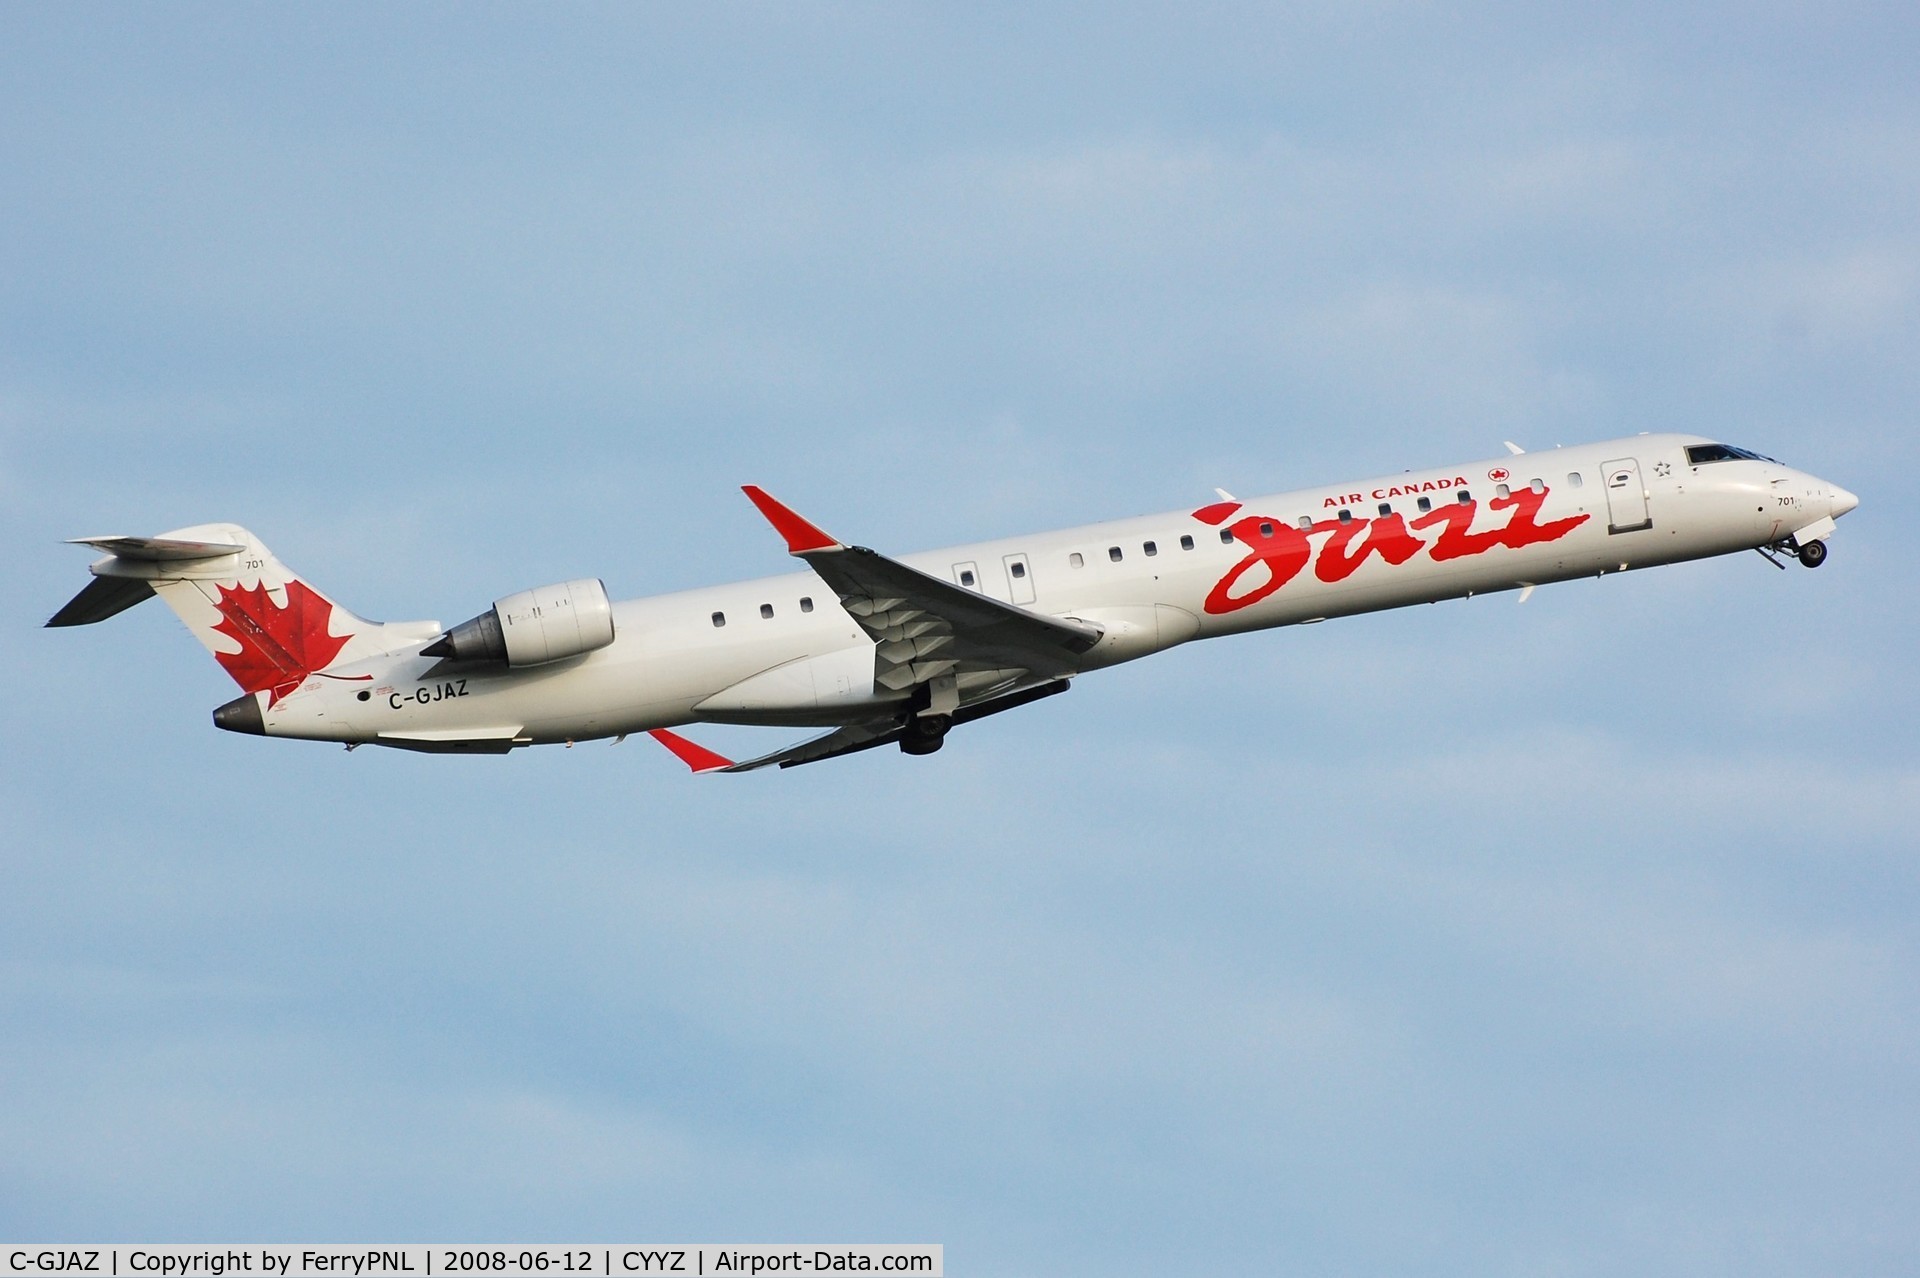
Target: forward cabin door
(1626, 496)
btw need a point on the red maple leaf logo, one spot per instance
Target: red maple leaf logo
(279, 647)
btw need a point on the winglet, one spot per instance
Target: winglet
(802, 537)
(697, 757)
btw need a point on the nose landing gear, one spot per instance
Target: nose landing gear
(1811, 553)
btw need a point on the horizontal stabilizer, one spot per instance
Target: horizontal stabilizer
(103, 597)
(157, 549)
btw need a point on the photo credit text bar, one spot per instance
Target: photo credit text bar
(462, 1260)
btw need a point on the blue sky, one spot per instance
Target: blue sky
(1577, 938)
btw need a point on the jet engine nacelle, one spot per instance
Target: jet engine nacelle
(547, 623)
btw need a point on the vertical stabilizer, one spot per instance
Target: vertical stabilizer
(266, 626)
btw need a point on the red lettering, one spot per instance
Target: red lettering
(1521, 530)
(1281, 548)
(1455, 542)
(1386, 537)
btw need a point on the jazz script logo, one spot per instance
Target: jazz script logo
(1277, 552)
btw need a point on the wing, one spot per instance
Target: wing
(924, 628)
(926, 632)
(848, 740)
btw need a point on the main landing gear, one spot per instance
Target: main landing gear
(929, 715)
(926, 733)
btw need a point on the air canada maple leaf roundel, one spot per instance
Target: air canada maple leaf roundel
(1499, 474)
(279, 646)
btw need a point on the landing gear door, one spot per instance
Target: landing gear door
(1626, 496)
(1019, 579)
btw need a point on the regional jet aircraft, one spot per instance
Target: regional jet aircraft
(881, 650)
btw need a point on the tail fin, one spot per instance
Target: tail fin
(264, 625)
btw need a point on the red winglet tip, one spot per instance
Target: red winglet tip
(695, 756)
(1218, 513)
(801, 536)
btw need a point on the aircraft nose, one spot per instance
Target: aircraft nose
(1843, 501)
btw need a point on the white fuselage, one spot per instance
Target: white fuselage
(781, 650)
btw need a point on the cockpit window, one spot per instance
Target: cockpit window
(1701, 454)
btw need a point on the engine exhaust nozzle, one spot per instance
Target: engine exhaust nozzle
(480, 639)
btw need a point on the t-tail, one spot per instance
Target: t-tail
(268, 628)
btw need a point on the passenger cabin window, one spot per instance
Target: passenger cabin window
(1538, 485)
(1466, 498)
(1226, 536)
(719, 619)
(1149, 548)
(1501, 490)
(1076, 560)
(1266, 529)
(1346, 516)
(806, 603)
(1113, 553)
(1305, 523)
(966, 577)
(1701, 454)
(1385, 510)
(1425, 504)
(1186, 542)
(1573, 479)
(1018, 570)
(766, 612)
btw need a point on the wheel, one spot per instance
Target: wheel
(1813, 554)
(926, 733)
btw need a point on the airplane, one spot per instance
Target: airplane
(881, 650)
